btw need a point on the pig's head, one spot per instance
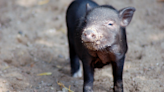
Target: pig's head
(103, 26)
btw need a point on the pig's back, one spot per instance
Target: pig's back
(76, 11)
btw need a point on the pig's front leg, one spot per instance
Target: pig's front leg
(88, 71)
(117, 74)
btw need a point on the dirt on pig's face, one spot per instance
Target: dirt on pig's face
(102, 27)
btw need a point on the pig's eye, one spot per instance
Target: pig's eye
(110, 24)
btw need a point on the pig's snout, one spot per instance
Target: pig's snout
(89, 36)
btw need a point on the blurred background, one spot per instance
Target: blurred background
(34, 49)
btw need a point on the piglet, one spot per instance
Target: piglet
(97, 36)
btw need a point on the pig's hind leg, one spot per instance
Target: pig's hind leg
(76, 70)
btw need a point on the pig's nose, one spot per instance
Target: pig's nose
(89, 36)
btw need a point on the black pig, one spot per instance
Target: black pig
(97, 37)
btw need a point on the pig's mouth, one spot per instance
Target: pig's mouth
(96, 45)
(97, 42)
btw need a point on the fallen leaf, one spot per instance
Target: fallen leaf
(46, 73)
(43, 2)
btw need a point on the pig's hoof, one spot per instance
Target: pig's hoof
(78, 73)
(118, 89)
(88, 89)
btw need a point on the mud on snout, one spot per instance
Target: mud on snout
(95, 40)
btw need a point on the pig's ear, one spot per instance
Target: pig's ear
(88, 7)
(126, 15)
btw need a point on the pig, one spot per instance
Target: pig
(97, 37)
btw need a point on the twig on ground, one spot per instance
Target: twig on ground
(62, 85)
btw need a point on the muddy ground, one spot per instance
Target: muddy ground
(33, 41)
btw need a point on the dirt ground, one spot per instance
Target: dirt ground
(33, 41)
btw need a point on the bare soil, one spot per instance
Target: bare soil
(33, 41)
